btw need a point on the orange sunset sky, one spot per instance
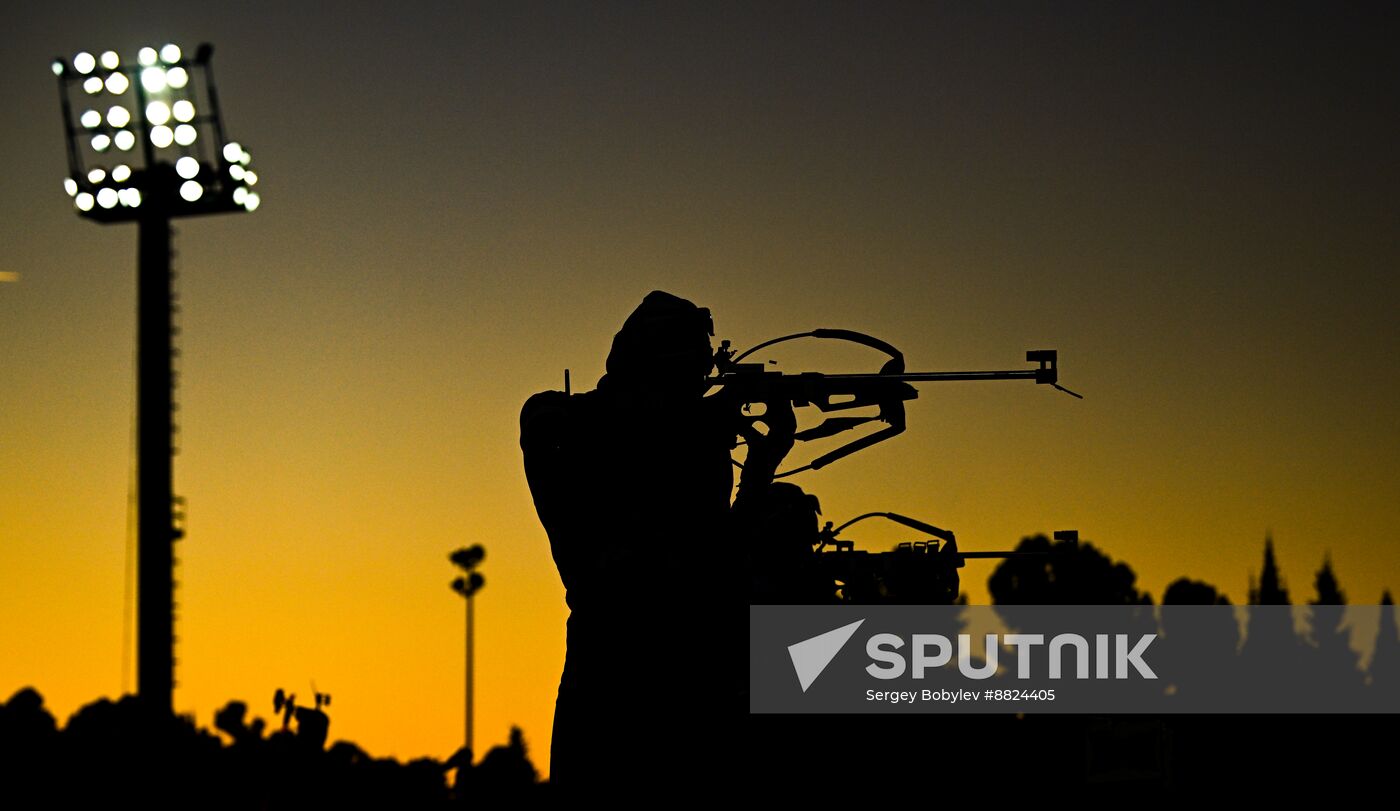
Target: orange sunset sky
(1196, 207)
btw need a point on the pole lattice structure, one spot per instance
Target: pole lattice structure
(155, 486)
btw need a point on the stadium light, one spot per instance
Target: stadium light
(155, 111)
(146, 144)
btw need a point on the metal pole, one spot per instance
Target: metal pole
(470, 600)
(155, 682)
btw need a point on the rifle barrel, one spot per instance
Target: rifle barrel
(932, 377)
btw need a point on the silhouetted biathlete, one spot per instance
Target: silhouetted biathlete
(781, 528)
(632, 484)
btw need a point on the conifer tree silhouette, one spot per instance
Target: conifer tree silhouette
(1384, 671)
(1335, 662)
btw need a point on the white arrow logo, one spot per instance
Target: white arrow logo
(811, 656)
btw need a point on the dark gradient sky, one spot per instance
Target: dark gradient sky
(1197, 206)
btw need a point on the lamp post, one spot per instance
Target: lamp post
(467, 585)
(145, 144)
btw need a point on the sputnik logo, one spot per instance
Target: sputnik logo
(811, 656)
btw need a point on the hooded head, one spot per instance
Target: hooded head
(790, 512)
(664, 344)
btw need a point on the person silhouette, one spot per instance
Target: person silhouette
(632, 482)
(781, 532)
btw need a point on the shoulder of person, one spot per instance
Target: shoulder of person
(550, 414)
(543, 413)
(543, 403)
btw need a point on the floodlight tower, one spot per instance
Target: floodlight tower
(467, 585)
(147, 146)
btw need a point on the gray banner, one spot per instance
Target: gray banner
(1072, 659)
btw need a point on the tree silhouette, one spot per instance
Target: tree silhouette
(1335, 663)
(1184, 591)
(231, 721)
(1270, 641)
(1269, 588)
(1385, 661)
(1063, 573)
(111, 751)
(1215, 674)
(28, 737)
(507, 767)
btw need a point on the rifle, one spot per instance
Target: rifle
(919, 572)
(888, 389)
